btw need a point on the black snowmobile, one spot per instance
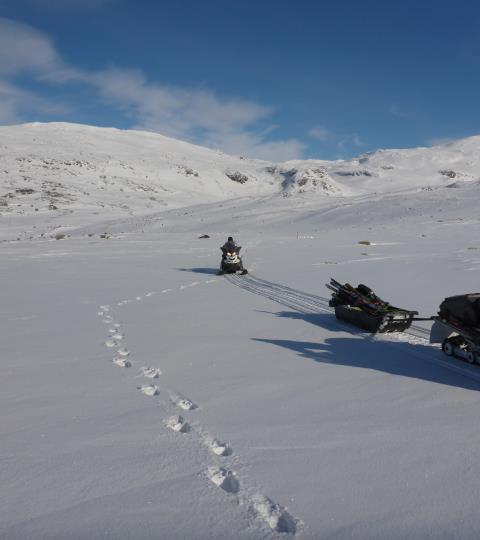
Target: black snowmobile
(457, 327)
(231, 263)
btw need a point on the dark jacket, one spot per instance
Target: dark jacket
(229, 247)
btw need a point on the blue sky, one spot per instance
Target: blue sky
(275, 79)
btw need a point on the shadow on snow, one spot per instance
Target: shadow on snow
(395, 358)
(211, 271)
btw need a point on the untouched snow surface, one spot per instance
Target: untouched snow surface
(144, 397)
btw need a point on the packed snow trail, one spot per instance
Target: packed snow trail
(310, 304)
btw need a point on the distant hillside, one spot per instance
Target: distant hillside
(61, 175)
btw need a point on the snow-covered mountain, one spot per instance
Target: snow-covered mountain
(59, 176)
(52, 169)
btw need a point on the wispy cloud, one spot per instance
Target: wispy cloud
(319, 133)
(16, 102)
(342, 141)
(231, 124)
(397, 111)
(24, 49)
(351, 140)
(358, 141)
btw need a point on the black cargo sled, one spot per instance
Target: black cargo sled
(457, 327)
(361, 307)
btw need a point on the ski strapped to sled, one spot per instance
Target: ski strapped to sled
(361, 307)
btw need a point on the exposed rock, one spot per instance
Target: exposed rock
(187, 171)
(313, 179)
(448, 173)
(237, 177)
(356, 172)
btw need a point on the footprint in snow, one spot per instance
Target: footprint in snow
(122, 362)
(100, 313)
(185, 404)
(276, 517)
(219, 448)
(123, 351)
(108, 320)
(223, 478)
(149, 294)
(118, 336)
(110, 343)
(167, 290)
(105, 308)
(150, 372)
(177, 424)
(117, 325)
(138, 298)
(149, 389)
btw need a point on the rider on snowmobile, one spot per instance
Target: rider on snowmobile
(231, 247)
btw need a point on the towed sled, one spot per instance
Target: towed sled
(231, 263)
(361, 307)
(457, 327)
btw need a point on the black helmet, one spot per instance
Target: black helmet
(230, 239)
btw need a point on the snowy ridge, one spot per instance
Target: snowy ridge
(55, 177)
(61, 174)
(383, 171)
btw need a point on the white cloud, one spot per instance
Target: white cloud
(351, 140)
(198, 116)
(247, 143)
(24, 49)
(358, 141)
(320, 133)
(231, 124)
(398, 111)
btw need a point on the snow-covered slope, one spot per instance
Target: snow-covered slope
(143, 396)
(65, 174)
(387, 171)
(60, 176)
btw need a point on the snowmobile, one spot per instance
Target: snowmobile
(361, 307)
(231, 263)
(457, 327)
